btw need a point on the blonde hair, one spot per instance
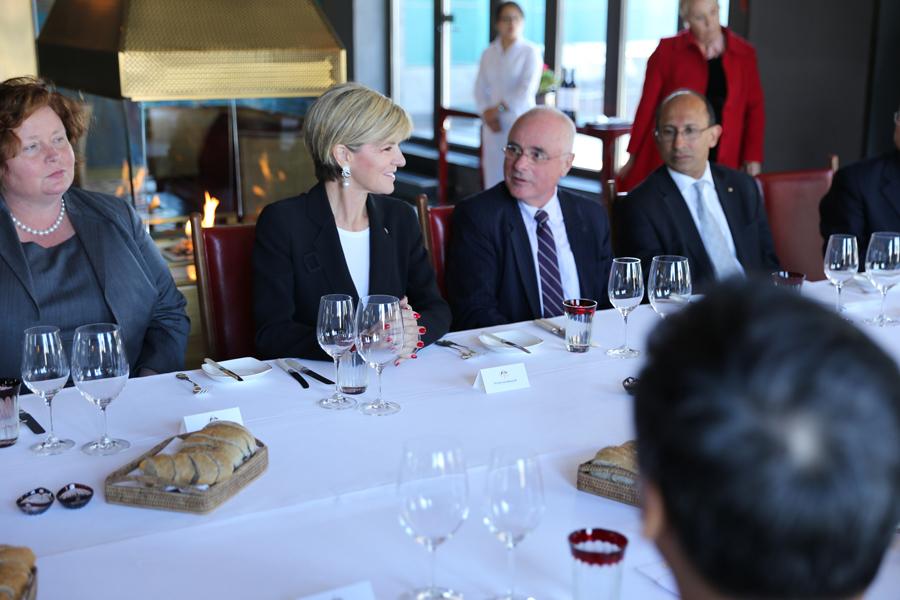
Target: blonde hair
(684, 6)
(351, 114)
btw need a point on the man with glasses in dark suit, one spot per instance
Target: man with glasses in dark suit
(865, 197)
(711, 214)
(523, 246)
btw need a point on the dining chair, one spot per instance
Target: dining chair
(792, 206)
(435, 222)
(610, 197)
(222, 255)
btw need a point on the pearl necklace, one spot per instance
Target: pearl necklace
(49, 230)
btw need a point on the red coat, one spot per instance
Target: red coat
(678, 63)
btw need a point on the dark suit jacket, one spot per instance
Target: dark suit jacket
(136, 283)
(298, 258)
(490, 269)
(654, 219)
(864, 198)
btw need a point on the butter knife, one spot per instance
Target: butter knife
(228, 372)
(506, 342)
(31, 422)
(548, 326)
(286, 367)
(293, 362)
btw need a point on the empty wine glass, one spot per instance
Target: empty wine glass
(841, 262)
(669, 285)
(626, 290)
(515, 503)
(883, 269)
(336, 332)
(379, 338)
(45, 371)
(433, 490)
(100, 370)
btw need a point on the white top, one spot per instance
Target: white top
(356, 252)
(685, 185)
(568, 273)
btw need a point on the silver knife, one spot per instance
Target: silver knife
(508, 343)
(283, 363)
(228, 372)
(548, 326)
(293, 362)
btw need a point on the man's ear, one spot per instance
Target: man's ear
(567, 164)
(653, 511)
(715, 132)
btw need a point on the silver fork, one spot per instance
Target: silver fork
(464, 351)
(197, 389)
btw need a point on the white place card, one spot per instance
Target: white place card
(357, 591)
(502, 379)
(196, 422)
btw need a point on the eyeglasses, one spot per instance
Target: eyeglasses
(509, 19)
(535, 155)
(689, 133)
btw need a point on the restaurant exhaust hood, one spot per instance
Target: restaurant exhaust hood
(149, 50)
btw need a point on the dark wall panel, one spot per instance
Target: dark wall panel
(885, 91)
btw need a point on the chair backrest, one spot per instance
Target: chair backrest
(792, 205)
(222, 255)
(610, 197)
(436, 231)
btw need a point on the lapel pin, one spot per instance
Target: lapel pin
(386, 231)
(730, 189)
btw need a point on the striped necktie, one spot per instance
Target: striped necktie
(551, 283)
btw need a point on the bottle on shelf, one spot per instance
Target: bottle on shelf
(567, 95)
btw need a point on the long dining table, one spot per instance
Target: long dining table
(325, 513)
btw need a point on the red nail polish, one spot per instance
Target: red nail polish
(397, 363)
(388, 339)
(413, 356)
(417, 315)
(387, 325)
(422, 330)
(420, 344)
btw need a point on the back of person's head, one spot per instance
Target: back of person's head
(351, 114)
(769, 435)
(21, 97)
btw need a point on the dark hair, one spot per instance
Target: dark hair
(710, 111)
(772, 429)
(20, 97)
(499, 10)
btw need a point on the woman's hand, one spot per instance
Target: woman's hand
(411, 332)
(752, 168)
(491, 118)
(626, 168)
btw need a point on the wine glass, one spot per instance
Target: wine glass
(883, 269)
(100, 370)
(336, 332)
(626, 290)
(433, 490)
(45, 371)
(841, 262)
(669, 285)
(379, 338)
(515, 503)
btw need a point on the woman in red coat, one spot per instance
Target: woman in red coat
(712, 60)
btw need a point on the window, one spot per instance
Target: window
(412, 72)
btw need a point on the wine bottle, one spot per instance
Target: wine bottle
(567, 97)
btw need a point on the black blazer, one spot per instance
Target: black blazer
(654, 219)
(490, 270)
(298, 258)
(864, 198)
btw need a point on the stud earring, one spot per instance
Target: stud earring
(345, 175)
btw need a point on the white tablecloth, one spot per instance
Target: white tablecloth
(324, 514)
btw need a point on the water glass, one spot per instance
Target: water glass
(379, 338)
(669, 284)
(9, 411)
(883, 269)
(336, 332)
(790, 280)
(579, 323)
(353, 375)
(100, 371)
(597, 570)
(45, 371)
(841, 262)
(626, 290)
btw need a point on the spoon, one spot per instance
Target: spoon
(196, 389)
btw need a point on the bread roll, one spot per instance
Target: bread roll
(16, 564)
(615, 463)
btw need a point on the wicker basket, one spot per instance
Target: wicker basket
(122, 487)
(30, 592)
(604, 487)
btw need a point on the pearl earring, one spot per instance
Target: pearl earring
(345, 175)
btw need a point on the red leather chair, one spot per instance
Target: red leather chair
(222, 255)
(436, 231)
(792, 205)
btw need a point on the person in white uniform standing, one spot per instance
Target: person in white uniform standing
(507, 82)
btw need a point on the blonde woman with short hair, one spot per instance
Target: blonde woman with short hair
(345, 235)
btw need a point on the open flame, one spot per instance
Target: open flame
(137, 181)
(210, 203)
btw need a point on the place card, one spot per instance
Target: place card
(357, 591)
(502, 379)
(196, 422)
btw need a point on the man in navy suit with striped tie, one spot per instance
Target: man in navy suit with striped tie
(523, 246)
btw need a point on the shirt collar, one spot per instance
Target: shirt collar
(685, 183)
(552, 208)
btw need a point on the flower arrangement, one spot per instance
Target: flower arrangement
(549, 82)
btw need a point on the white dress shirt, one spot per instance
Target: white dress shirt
(356, 252)
(568, 273)
(685, 185)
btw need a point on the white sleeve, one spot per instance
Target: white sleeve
(482, 83)
(526, 85)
